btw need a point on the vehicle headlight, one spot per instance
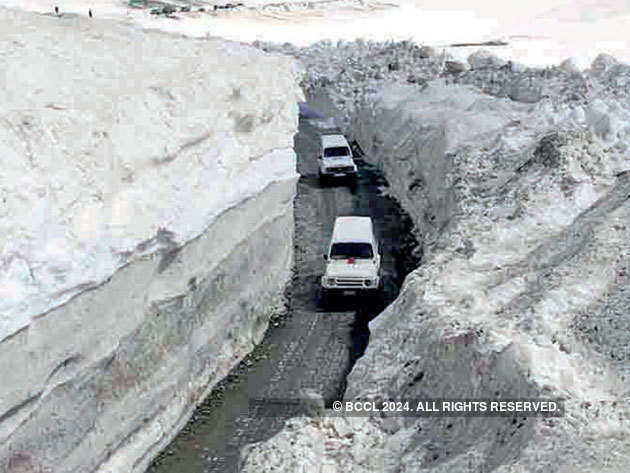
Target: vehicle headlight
(331, 281)
(367, 282)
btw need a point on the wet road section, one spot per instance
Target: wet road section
(311, 347)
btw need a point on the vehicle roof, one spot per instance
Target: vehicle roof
(333, 140)
(352, 229)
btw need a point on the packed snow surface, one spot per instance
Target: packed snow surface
(112, 153)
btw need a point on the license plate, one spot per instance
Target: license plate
(340, 174)
(349, 293)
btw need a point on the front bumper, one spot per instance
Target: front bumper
(350, 283)
(332, 172)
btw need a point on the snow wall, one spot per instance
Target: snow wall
(146, 224)
(523, 204)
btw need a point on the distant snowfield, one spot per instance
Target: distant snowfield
(538, 32)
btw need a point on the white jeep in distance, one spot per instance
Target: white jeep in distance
(335, 158)
(353, 262)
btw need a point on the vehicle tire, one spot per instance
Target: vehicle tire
(372, 300)
(322, 179)
(325, 298)
(352, 182)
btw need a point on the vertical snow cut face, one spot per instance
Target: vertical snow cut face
(117, 143)
(143, 178)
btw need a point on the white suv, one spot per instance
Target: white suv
(335, 157)
(353, 262)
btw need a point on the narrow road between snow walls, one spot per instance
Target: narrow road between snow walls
(310, 349)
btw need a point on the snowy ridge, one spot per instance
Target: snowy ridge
(100, 158)
(299, 5)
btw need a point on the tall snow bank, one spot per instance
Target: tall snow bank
(417, 148)
(116, 143)
(525, 209)
(531, 245)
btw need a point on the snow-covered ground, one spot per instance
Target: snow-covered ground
(537, 32)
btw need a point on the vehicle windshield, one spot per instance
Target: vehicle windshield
(351, 250)
(336, 151)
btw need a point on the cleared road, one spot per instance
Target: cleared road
(309, 348)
